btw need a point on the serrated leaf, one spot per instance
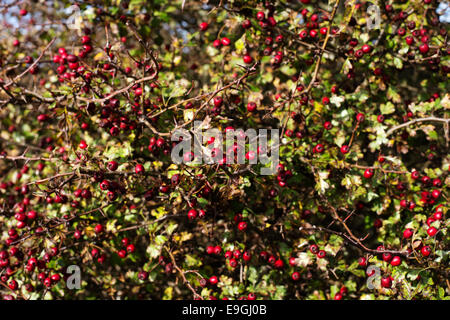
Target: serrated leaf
(387, 108)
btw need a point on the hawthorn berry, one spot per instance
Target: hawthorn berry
(432, 231)
(408, 233)
(242, 226)
(426, 251)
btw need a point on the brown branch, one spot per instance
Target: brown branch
(356, 243)
(32, 65)
(406, 124)
(182, 274)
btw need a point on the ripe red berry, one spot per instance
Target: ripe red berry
(424, 48)
(432, 231)
(436, 194)
(139, 169)
(131, 248)
(204, 26)
(295, 276)
(368, 173)
(242, 226)
(438, 215)
(321, 254)
(396, 260)
(366, 48)
(112, 165)
(233, 262)
(386, 282)
(85, 39)
(386, 256)
(360, 117)
(246, 24)
(98, 228)
(279, 264)
(345, 149)
(415, 175)
(319, 148)
(225, 41)
(408, 233)
(13, 285)
(426, 251)
(251, 106)
(192, 214)
(362, 262)
(218, 101)
(247, 59)
(122, 253)
(260, 16)
(82, 144)
(55, 277)
(338, 296)
(213, 280)
(409, 40)
(209, 249)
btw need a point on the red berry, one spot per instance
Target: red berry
(319, 148)
(408, 233)
(314, 249)
(338, 296)
(139, 169)
(279, 264)
(345, 149)
(122, 253)
(248, 59)
(98, 228)
(251, 106)
(213, 280)
(366, 48)
(225, 41)
(131, 248)
(112, 165)
(192, 214)
(426, 251)
(82, 144)
(424, 48)
(260, 16)
(432, 231)
(360, 117)
(368, 173)
(386, 282)
(396, 260)
(362, 262)
(242, 226)
(204, 26)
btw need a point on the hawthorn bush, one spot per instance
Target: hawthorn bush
(88, 104)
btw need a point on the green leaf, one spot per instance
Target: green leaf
(398, 63)
(387, 108)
